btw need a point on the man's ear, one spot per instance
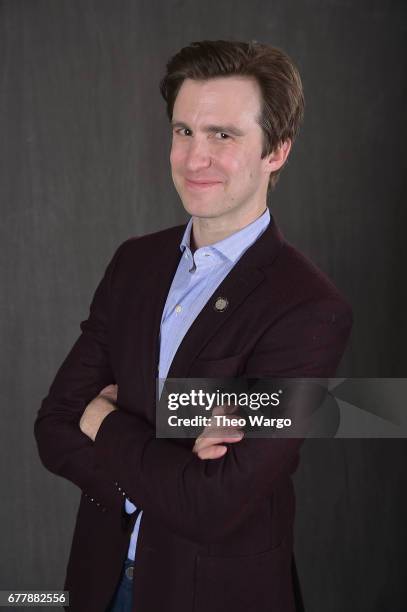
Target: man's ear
(278, 157)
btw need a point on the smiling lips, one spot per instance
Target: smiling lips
(201, 184)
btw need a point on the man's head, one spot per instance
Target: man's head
(236, 108)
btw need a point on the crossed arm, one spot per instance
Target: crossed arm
(195, 498)
(208, 445)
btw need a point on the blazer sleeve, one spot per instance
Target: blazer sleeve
(204, 499)
(62, 446)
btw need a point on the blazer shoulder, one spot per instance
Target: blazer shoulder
(149, 244)
(153, 239)
(298, 281)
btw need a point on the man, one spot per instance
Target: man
(195, 525)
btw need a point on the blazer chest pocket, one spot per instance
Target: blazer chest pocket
(229, 367)
(252, 583)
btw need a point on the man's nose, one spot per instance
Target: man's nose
(198, 155)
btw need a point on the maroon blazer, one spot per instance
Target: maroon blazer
(216, 535)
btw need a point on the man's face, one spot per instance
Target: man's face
(217, 142)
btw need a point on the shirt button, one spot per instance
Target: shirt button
(178, 308)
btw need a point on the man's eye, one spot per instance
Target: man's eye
(182, 132)
(182, 129)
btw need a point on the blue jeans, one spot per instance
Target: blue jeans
(123, 597)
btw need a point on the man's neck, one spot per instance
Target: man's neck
(210, 231)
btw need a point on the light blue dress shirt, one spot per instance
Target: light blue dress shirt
(197, 276)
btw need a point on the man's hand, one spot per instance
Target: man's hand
(94, 413)
(210, 443)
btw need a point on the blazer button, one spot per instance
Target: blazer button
(130, 572)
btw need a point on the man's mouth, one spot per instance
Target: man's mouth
(201, 184)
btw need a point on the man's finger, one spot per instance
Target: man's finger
(224, 409)
(110, 392)
(208, 439)
(202, 444)
(215, 431)
(214, 452)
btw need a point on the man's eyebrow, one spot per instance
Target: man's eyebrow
(230, 129)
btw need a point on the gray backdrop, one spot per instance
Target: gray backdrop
(84, 144)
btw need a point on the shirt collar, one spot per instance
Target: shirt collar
(234, 245)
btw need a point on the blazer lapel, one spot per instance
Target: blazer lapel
(157, 288)
(140, 315)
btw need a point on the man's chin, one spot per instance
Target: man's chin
(202, 210)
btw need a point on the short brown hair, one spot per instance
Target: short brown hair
(279, 80)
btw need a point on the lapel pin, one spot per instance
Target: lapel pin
(221, 304)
